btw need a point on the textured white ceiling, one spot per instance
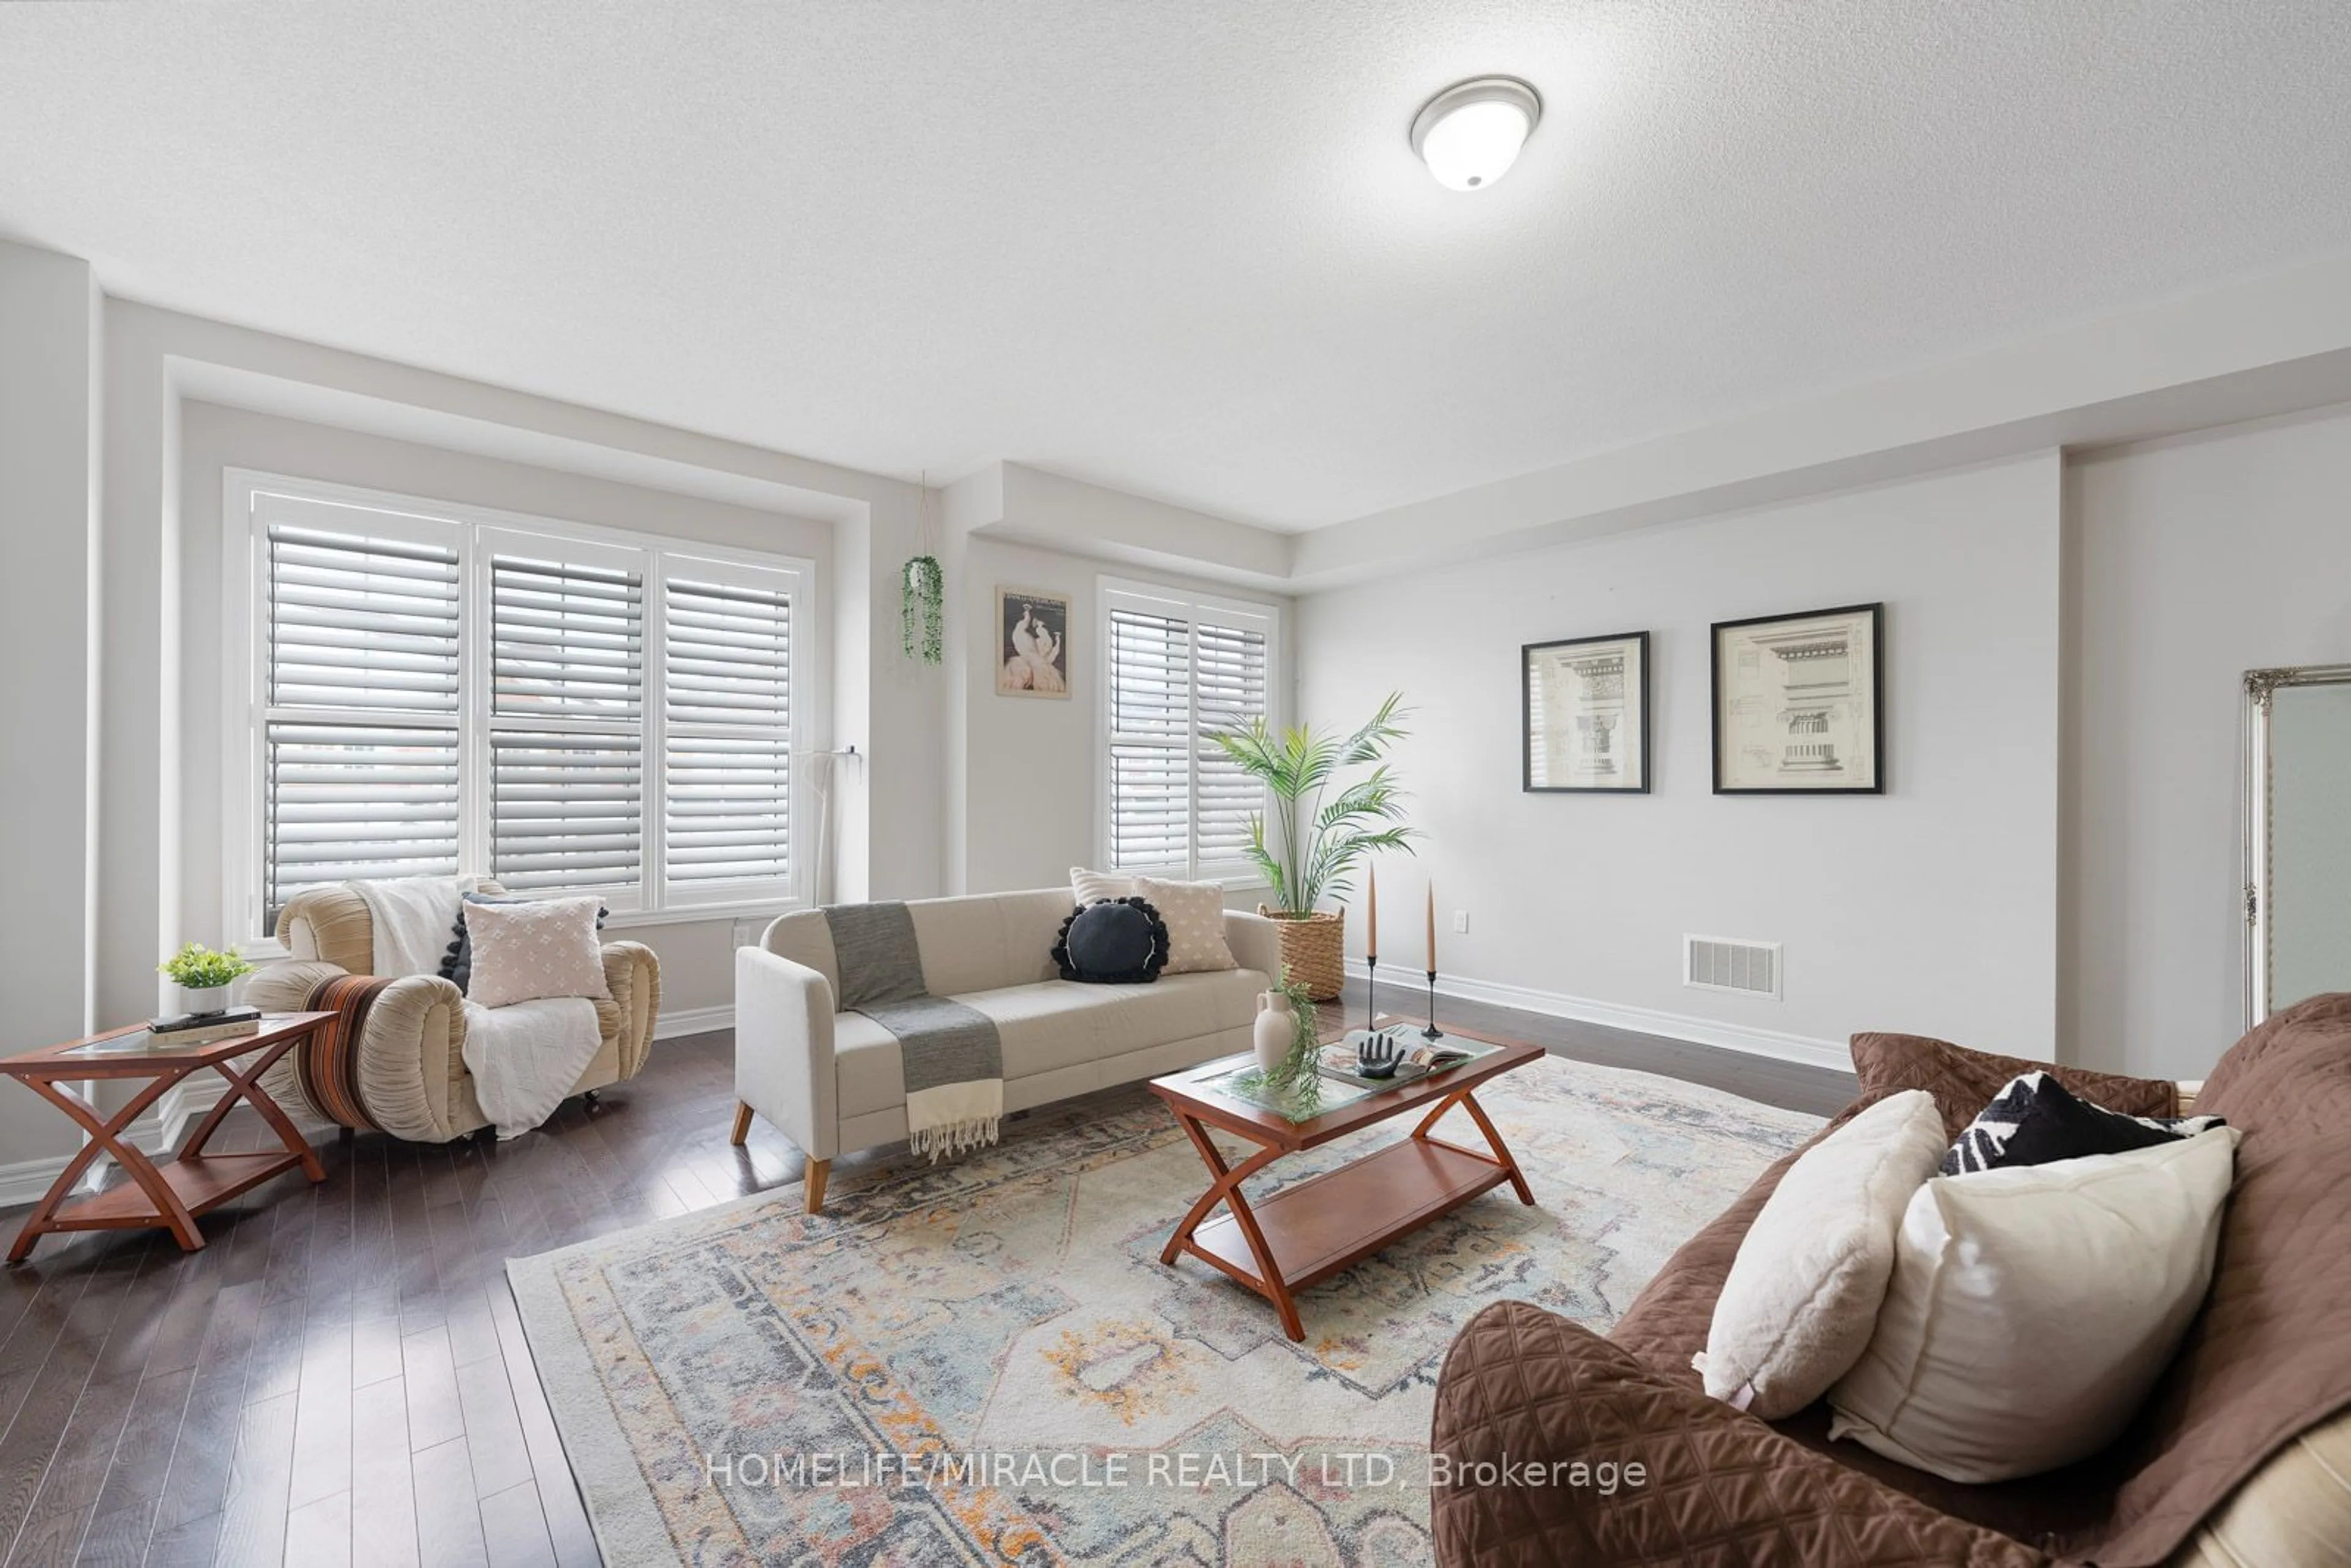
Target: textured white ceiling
(1181, 248)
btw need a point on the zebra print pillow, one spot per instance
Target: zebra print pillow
(2035, 1120)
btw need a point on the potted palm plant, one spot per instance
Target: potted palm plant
(1317, 838)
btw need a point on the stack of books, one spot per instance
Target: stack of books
(201, 1028)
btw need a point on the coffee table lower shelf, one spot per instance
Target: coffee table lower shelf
(1328, 1223)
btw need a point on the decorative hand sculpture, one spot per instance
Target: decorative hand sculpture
(1376, 1054)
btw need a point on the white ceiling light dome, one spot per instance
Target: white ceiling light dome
(1470, 133)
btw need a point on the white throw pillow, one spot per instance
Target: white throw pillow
(1194, 914)
(523, 952)
(1093, 886)
(1797, 1309)
(2033, 1308)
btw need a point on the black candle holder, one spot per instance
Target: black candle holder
(1432, 1031)
(1371, 992)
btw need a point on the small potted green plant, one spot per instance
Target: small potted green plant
(203, 977)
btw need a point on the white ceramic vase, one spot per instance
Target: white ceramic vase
(204, 999)
(1277, 1026)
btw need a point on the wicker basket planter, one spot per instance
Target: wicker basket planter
(1314, 950)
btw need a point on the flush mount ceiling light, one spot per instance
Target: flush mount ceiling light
(1470, 133)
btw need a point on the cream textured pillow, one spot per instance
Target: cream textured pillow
(1797, 1309)
(1194, 913)
(1093, 886)
(523, 952)
(2033, 1308)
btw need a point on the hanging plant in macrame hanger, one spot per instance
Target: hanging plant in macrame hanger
(921, 586)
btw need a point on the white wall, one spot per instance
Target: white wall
(697, 957)
(2192, 560)
(1938, 908)
(92, 397)
(1029, 780)
(1929, 909)
(1030, 770)
(49, 326)
(161, 520)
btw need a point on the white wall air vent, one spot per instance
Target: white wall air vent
(1728, 963)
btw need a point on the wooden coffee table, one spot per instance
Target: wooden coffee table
(1311, 1230)
(173, 1192)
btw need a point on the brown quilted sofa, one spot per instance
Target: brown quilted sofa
(2242, 1458)
(406, 1071)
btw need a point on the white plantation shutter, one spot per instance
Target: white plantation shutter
(567, 724)
(569, 640)
(438, 690)
(1180, 671)
(1150, 727)
(727, 728)
(1229, 676)
(362, 707)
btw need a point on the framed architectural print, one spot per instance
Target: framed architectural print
(1032, 637)
(1586, 714)
(1800, 704)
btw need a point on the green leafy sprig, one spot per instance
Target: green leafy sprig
(199, 968)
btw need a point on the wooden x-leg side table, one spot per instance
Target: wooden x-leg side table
(173, 1192)
(1311, 1230)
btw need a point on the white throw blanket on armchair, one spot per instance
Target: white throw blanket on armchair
(413, 918)
(524, 1057)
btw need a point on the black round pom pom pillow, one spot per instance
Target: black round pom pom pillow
(1117, 942)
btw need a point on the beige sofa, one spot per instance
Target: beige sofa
(411, 1061)
(832, 1082)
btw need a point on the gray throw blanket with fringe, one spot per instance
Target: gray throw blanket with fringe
(952, 1055)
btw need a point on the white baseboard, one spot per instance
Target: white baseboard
(183, 1105)
(692, 1021)
(24, 1181)
(1831, 1054)
(154, 1134)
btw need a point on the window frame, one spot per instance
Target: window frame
(1113, 593)
(252, 500)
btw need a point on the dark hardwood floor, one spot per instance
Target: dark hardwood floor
(340, 1375)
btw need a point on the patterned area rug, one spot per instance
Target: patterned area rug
(985, 1362)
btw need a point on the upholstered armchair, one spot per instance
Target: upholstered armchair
(397, 1062)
